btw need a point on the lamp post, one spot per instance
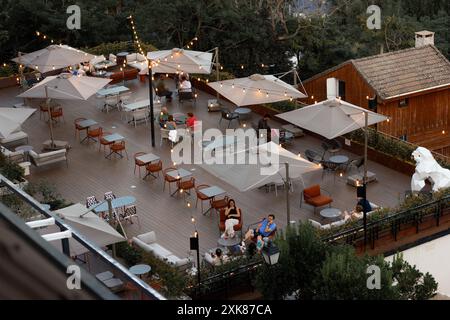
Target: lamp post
(150, 93)
(194, 242)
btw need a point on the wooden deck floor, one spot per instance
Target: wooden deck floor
(89, 173)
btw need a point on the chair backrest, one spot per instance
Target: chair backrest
(109, 195)
(96, 131)
(136, 155)
(312, 156)
(90, 201)
(119, 145)
(358, 162)
(225, 113)
(199, 188)
(140, 114)
(312, 191)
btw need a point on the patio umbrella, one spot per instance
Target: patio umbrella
(53, 57)
(332, 118)
(65, 86)
(94, 228)
(180, 60)
(274, 165)
(256, 89)
(12, 118)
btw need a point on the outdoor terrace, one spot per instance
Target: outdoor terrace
(89, 173)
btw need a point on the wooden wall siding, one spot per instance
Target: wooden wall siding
(422, 120)
(356, 89)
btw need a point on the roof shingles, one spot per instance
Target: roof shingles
(401, 72)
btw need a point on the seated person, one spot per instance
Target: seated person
(355, 214)
(163, 117)
(170, 124)
(185, 85)
(191, 121)
(232, 214)
(161, 89)
(217, 258)
(264, 229)
(365, 204)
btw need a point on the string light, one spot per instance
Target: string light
(42, 36)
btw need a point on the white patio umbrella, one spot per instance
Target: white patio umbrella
(12, 118)
(181, 60)
(53, 57)
(65, 86)
(256, 89)
(332, 118)
(274, 164)
(94, 228)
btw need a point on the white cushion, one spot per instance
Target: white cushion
(159, 251)
(338, 223)
(132, 57)
(148, 237)
(326, 226)
(112, 57)
(14, 137)
(104, 276)
(315, 224)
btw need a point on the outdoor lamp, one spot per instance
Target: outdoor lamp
(271, 253)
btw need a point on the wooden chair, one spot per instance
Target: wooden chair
(57, 113)
(154, 168)
(78, 128)
(129, 213)
(118, 148)
(168, 179)
(186, 185)
(222, 219)
(137, 163)
(94, 133)
(200, 195)
(314, 197)
(218, 204)
(103, 142)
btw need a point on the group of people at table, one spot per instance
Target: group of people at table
(182, 82)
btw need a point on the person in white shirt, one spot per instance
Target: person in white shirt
(185, 85)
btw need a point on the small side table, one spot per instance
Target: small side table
(25, 150)
(140, 269)
(330, 213)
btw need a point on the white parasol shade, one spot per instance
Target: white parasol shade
(180, 60)
(12, 118)
(256, 89)
(53, 57)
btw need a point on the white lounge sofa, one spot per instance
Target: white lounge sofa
(137, 60)
(147, 242)
(15, 156)
(15, 139)
(46, 158)
(320, 226)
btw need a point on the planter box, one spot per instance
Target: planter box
(5, 191)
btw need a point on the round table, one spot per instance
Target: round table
(140, 269)
(25, 150)
(244, 113)
(339, 159)
(330, 213)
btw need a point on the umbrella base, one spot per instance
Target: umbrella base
(357, 179)
(57, 145)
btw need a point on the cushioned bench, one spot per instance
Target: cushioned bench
(46, 158)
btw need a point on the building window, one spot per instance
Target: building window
(341, 89)
(403, 103)
(404, 137)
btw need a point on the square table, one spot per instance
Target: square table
(112, 138)
(212, 192)
(85, 125)
(146, 159)
(179, 174)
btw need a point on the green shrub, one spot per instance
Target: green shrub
(116, 47)
(11, 170)
(8, 70)
(131, 255)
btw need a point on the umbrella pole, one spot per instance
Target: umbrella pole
(150, 92)
(52, 145)
(217, 70)
(366, 127)
(287, 187)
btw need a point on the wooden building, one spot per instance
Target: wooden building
(411, 86)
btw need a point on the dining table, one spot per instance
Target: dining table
(85, 125)
(147, 159)
(179, 175)
(210, 193)
(119, 202)
(112, 138)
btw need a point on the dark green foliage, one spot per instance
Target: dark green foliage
(128, 253)
(310, 269)
(10, 169)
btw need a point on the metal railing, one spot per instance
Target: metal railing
(143, 287)
(393, 224)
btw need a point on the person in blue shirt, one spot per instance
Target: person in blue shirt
(365, 204)
(264, 229)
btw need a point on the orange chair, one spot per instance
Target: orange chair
(43, 110)
(218, 204)
(168, 178)
(222, 219)
(103, 142)
(117, 148)
(186, 186)
(57, 113)
(137, 163)
(78, 128)
(200, 195)
(94, 133)
(154, 168)
(313, 196)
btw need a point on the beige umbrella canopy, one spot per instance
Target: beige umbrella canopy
(65, 86)
(90, 225)
(256, 89)
(53, 57)
(12, 118)
(180, 60)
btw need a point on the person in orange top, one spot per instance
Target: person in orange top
(191, 121)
